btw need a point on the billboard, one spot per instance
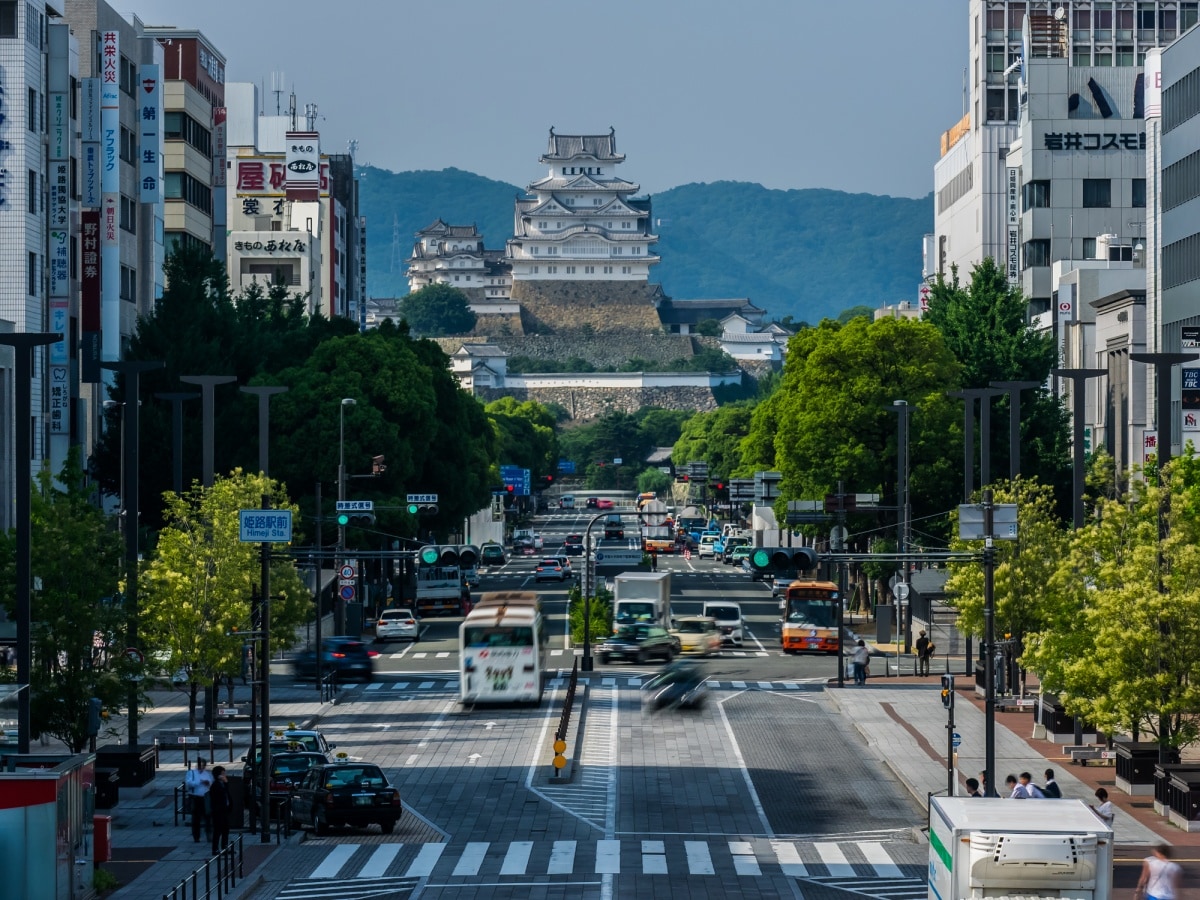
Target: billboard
(302, 166)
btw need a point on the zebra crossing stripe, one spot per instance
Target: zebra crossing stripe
(835, 860)
(698, 857)
(399, 685)
(471, 859)
(517, 858)
(379, 861)
(333, 863)
(608, 857)
(374, 686)
(422, 866)
(424, 685)
(562, 858)
(789, 859)
(878, 857)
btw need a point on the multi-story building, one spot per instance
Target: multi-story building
(311, 238)
(455, 255)
(193, 129)
(1081, 60)
(583, 222)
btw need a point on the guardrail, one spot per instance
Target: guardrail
(329, 688)
(218, 876)
(564, 721)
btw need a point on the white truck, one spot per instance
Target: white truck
(642, 597)
(1032, 849)
(440, 589)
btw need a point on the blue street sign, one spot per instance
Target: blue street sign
(517, 477)
(956, 739)
(347, 592)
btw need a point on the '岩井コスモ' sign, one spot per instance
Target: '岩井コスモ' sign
(1075, 140)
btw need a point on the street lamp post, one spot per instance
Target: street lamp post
(341, 541)
(904, 414)
(588, 663)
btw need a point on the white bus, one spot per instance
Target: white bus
(502, 650)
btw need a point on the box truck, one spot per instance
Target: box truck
(1035, 849)
(642, 597)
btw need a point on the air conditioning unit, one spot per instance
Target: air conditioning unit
(1103, 243)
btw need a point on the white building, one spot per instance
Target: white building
(582, 222)
(1083, 62)
(455, 255)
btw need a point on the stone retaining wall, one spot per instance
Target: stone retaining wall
(583, 404)
(599, 306)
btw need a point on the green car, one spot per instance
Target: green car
(492, 555)
(739, 555)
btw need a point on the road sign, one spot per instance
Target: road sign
(422, 498)
(1004, 521)
(956, 739)
(346, 592)
(355, 506)
(347, 571)
(618, 557)
(265, 526)
(134, 655)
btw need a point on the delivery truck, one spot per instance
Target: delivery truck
(1033, 849)
(642, 597)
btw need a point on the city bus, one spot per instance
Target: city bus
(502, 649)
(810, 616)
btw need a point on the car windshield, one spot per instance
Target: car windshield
(635, 632)
(307, 741)
(292, 765)
(397, 614)
(693, 627)
(722, 612)
(346, 776)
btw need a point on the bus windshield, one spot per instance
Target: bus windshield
(822, 613)
(493, 636)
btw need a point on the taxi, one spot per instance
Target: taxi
(698, 635)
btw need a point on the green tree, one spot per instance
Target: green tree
(1122, 649)
(708, 328)
(653, 480)
(437, 310)
(831, 418)
(526, 435)
(196, 590)
(78, 621)
(715, 437)
(985, 324)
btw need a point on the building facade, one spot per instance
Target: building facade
(582, 221)
(455, 255)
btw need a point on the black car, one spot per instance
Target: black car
(346, 793)
(680, 684)
(614, 527)
(346, 656)
(639, 643)
(288, 770)
(573, 545)
(591, 503)
(731, 544)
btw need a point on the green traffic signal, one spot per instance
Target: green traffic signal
(761, 559)
(343, 519)
(429, 555)
(413, 509)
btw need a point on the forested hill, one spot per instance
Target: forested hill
(804, 253)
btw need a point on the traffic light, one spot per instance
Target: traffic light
(429, 555)
(948, 691)
(682, 479)
(783, 559)
(345, 519)
(93, 722)
(422, 509)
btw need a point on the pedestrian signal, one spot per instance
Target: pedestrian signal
(948, 691)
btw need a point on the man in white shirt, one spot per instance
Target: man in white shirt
(1032, 791)
(1018, 789)
(199, 782)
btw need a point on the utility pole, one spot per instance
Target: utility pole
(989, 645)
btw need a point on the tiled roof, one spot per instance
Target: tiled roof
(463, 231)
(737, 304)
(480, 350)
(438, 227)
(569, 146)
(583, 183)
(749, 337)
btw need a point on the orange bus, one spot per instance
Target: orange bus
(810, 616)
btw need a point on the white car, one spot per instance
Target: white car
(706, 548)
(728, 618)
(397, 623)
(538, 543)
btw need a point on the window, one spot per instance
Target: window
(181, 186)
(182, 127)
(535, 249)
(31, 110)
(8, 19)
(128, 146)
(31, 274)
(608, 270)
(1104, 56)
(1089, 248)
(1181, 181)
(1125, 55)
(1037, 253)
(31, 191)
(589, 270)
(456, 277)
(552, 251)
(570, 270)
(128, 75)
(1081, 56)
(626, 270)
(535, 270)
(1189, 14)
(997, 61)
(128, 284)
(1097, 193)
(1138, 194)
(128, 215)
(551, 270)
(1037, 195)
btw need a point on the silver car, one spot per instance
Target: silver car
(398, 623)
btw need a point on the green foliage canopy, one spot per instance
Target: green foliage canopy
(437, 310)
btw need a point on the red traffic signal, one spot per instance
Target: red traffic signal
(509, 488)
(720, 486)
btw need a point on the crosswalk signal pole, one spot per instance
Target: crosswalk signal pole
(948, 702)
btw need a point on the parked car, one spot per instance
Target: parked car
(310, 740)
(614, 527)
(604, 504)
(288, 770)
(698, 636)
(346, 793)
(728, 618)
(573, 545)
(492, 555)
(346, 656)
(682, 684)
(638, 643)
(398, 623)
(549, 569)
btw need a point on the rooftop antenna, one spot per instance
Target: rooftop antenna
(292, 108)
(310, 116)
(277, 90)
(352, 144)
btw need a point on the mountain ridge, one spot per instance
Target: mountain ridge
(797, 252)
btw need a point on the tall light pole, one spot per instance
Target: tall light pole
(341, 542)
(903, 412)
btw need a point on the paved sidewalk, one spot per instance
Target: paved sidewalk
(152, 854)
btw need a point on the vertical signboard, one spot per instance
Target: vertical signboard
(1149, 445)
(110, 195)
(1153, 80)
(89, 296)
(220, 166)
(58, 82)
(149, 94)
(302, 166)
(1013, 206)
(89, 132)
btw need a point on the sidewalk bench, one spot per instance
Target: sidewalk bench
(1083, 755)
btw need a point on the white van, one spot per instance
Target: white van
(728, 617)
(566, 501)
(706, 545)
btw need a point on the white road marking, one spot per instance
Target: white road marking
(425, 685)
(399, 685)
(379, 861)
(738, 684)
(880, 861)
(517, 858)
(698, 857)
(423, 865)
(375, 685)
(443, 654)
(333, 863)
(834, 859)
(420, 655)
(789, 859)
(562, 858)
(471, 859)
(608, 857)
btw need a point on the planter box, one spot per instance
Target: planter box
(137, 765)
(1135, 766)
(1059, 727)
(1184, 792)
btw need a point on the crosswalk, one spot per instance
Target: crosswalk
(859, 865)
(576, 652)
(442, 684)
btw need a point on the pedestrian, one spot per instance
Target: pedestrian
(1032, 791)
(1160, 876)
(1105, 809)
(199, 782)
(923, 654)
(860, 660)
(973, 788)
(653, 560)
(1017, 789)
(1051, 788)
(219, 806)
(983, 784)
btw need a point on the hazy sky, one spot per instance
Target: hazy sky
(844, 94)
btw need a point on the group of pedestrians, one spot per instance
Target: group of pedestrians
(210, 802)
